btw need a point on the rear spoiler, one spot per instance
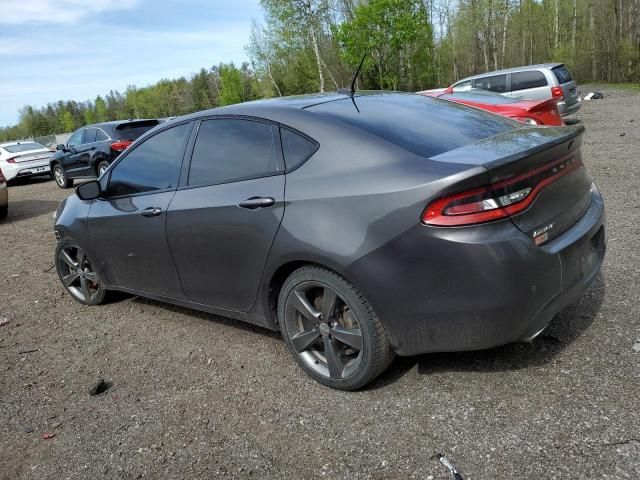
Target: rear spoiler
(137, 123)
(529, 146)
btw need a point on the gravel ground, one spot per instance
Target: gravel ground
(197, 396)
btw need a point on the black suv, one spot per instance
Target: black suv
(91, 149)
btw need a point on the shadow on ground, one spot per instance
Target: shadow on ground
(563, 330)
(25, 209)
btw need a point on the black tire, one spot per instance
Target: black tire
(60, 176)
(102, 165)
(375, 353)
(95, 294)
(4, 211)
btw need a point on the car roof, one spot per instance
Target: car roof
(115, 123)
(511, 70)
(18, 142)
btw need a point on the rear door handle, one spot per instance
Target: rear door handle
(254, 203)
(151, 212)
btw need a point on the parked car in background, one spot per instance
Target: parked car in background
(408, 225)
(24, 159)
(533, 82)
(533, 112)
(91, 149)
(4, 197)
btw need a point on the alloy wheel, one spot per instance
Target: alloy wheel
(77, 274)
(58, 174)
(323, 330)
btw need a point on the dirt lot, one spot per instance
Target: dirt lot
(195, 396)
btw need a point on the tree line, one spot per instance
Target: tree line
(315, 45)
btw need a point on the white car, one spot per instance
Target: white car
(23, 159)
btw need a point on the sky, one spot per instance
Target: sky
(77, 49)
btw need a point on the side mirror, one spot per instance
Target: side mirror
(61, 147)
(89, 190)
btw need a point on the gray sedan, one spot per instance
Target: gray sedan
(359, 226)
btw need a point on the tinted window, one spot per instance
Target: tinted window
(423, 125)
(495, 83)
(563, 74)
(132, 130)
(22, 147)
(523, 80)
(153, 165)
(76, 139)
(296, 148)
(101, 136)
(228, 150)
(89, 135)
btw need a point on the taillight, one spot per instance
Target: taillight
(498, 200)
(556, 92)
(121, 145)
(11, 160)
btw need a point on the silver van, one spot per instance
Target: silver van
(534, 82)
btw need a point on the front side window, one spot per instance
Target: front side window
(524, 80)
(228, 150)
(76, 139)
(495, 83)
(153, 165)
(462, 86)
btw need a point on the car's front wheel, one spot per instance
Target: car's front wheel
(78, 276)
(331, 330)
(60, 177)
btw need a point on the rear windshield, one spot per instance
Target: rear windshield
(478, 95)
(563, 74)
(425, 126)
(23, 147)
(132, 130)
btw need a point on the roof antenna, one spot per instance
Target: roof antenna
(352, 90)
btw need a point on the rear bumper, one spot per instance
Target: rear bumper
(456, 289)
(565, 109)
(15, 170)
(4, 195)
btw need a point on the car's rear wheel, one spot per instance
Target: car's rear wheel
(78, 276)
(102, 167)
(60, 177)
(4, 211)
(331, 330)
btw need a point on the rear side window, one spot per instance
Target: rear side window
(425, 126)
(495, 83)
(89, 135)
(152, 165)
(228, 150)
(529, 79)
(296, 148)
(133, 130)
(101, 136)
(563, 74)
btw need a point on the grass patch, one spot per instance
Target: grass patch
(630, 87)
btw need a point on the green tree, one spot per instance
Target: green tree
(231, 88)
(68, 123)
(102, 114)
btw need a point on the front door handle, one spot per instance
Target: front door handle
(254, 203)
(151, 212)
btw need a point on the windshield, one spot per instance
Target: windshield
(423, 125)
(23, 147)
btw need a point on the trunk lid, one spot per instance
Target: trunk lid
(540, 158)
(27, 157)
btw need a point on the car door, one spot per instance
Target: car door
(530, 85)
(71, 160)
(223, 220)
(86, 152)
(127, 224)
